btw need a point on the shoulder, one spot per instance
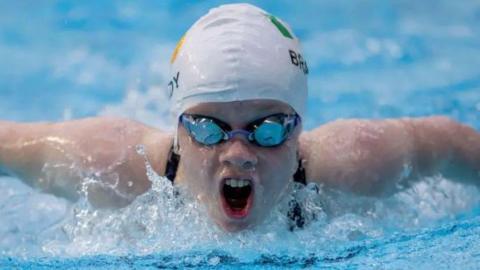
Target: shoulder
(348, 154)
(120, 136)
(350, 133)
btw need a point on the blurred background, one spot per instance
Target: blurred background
(368, 58)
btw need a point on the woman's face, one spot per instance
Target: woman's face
(238, 181)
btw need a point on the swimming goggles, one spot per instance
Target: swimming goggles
(268, 131)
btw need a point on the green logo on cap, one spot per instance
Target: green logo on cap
(280, 27)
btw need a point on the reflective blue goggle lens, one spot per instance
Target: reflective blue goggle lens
(204, 130)
(270, 133)
(267, 132)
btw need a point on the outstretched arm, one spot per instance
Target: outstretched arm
(373, 157)
(58, 158)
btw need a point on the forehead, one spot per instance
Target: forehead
(241, 111)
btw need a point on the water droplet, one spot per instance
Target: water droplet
(140, 149)
(214, 260)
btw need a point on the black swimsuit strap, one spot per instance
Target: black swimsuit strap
(299, 175)
(172, 165)
(295, 213)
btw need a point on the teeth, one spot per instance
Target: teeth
(237, 182)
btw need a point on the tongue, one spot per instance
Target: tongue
(237, 204)
(236, 197)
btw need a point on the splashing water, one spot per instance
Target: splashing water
(166, 220)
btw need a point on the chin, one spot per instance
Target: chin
(234, 226)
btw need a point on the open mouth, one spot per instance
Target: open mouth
(237, 196)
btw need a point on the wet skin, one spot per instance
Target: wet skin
(366, 157)
(203, 169)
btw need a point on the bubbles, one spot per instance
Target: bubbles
(167, 220)
(214, 261)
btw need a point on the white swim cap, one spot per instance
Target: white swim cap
(238, 52)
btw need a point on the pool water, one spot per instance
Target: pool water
(372, 59)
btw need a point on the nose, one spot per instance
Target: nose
(238, 153)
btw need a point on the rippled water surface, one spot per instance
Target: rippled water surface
(373, 59)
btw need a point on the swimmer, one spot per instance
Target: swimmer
(238, 92)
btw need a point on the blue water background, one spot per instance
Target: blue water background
(367, 58)
(375, 59)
